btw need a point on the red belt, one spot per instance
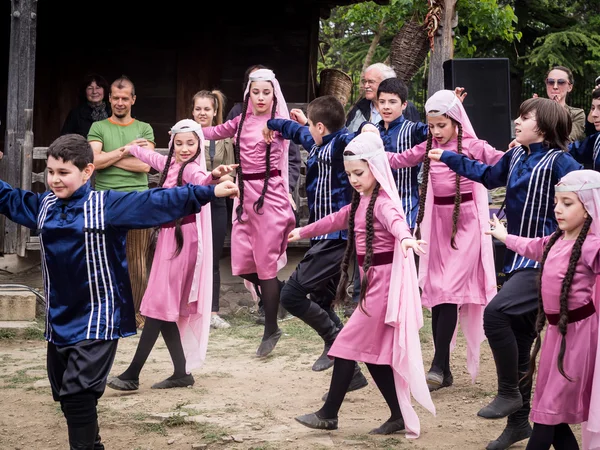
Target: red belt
(450, 200)
(261, 175)
(575, 315)
(187, 219)
(378, 259)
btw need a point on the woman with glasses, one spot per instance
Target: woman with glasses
(93, 106)
(559, 82)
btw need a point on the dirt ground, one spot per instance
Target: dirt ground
(239, 401)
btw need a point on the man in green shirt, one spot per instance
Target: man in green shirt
(113, 171)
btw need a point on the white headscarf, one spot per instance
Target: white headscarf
(404, 311)
(446, 102)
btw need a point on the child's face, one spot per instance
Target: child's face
(526, 130)
(64, 178)
(570, 213)
(317, 131)
(360, 176)
(204, 111)
(186, 146)
(390, 107)
(442, 128)
(595, 113)
(261, 96)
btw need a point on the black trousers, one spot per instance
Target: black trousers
(218, 211)
(316, 276)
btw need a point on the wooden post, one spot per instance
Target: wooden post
(443, 47)
(21, 81)
(26, 174)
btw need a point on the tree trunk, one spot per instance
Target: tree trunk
(373, 46)
(409, 49)
(443, 48)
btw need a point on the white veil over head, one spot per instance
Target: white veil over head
(186, 126)
(446, 102)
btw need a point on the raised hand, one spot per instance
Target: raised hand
(297, 115)
(226, 189)
(222, 170)
(294, 235)
(497, 229)
(435, 154)
(461, 93)
(414, 244)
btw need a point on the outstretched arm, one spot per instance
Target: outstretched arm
(20, 206)
(333, 222)
(532, 248)
(225, 130)
(408, 158)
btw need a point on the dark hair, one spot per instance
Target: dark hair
(423, 193)
(393, 86)
(328, 110)
(72, 148)
(564, 299)
(351, 247)
(258, 204)
(565, 70)
(218, 99)
(553, 121)
(249, 70)
(87, 80)
(122, 82)
(596, 94)
(161, 182)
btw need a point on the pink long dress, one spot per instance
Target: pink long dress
(465, 276)
(259, 244)
(556, 399)
(180, 287)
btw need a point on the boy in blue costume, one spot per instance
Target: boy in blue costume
(89, 304)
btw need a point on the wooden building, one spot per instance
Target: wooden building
(170, 50)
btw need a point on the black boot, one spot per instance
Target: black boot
(516, 430)
(509, 398)
(83, 437)
(358, 382)
(318, 319)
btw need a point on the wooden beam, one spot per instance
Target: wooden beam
(26, 175)
(443, 48)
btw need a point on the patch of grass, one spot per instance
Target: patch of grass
(212, 433)
(19, 379)
(6, 333)
(176, 420)
(33, 334)
(139, 416)
(158, 428)
(268, 414)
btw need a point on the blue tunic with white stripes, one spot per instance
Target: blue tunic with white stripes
(587, 152)
(402, 135)
(529, 178)
(327, 187)
(82, 240)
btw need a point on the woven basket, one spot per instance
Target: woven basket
(337, 83)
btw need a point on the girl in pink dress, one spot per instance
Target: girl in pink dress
(177, 302)
(263, 215)
(569, 268)
(383, 331)
(457, 275)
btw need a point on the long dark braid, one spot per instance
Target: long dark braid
(456, 212)
(340, 295)
(178, 232)
(258, 204)
(564, 299)
(424, 183)
(240, 173)
(368, 246)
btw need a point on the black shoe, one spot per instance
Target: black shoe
(324, 362)
(502, 406)
(437, 380)
(185, 381)
(358, 382)
(510, 436)
(313, 421)
(389, 427)
(267, 345)
(123, 385)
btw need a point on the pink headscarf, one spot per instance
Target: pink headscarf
(470, 315)
(194, 329)
(586, 184)
(404, 311)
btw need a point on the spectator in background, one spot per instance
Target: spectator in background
(366, 108)
(589, 123)
(93, 106)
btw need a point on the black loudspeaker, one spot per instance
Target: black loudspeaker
(487, 83)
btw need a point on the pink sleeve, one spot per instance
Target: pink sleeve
(591, 254)
(223, 131)
(194, 174)
(392, 220)
(328, 224)
(531, 248)
(484, 152)
(408, 158)
(152, 158)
